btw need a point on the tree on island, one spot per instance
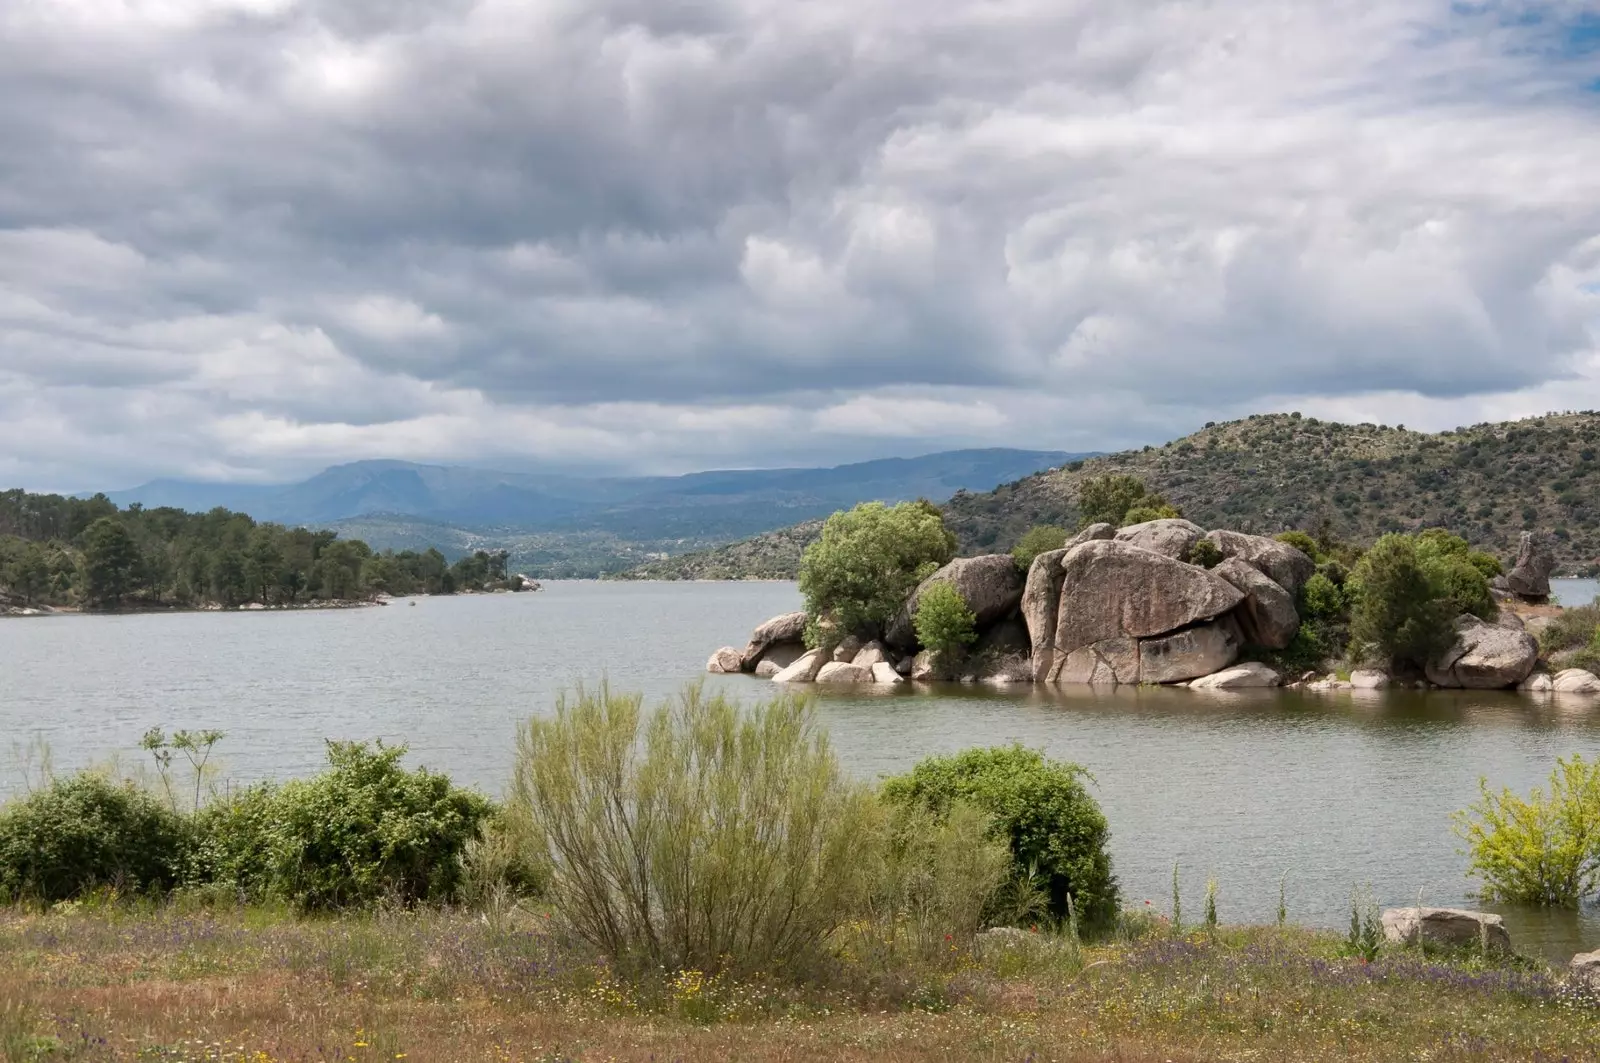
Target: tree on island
(868, 560)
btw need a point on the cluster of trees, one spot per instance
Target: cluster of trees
(57, 551)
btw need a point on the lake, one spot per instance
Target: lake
(1328, 792)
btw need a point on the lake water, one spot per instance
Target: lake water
(1331, 791)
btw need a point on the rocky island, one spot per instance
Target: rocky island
(1161, 601)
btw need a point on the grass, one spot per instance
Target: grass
(170, 983)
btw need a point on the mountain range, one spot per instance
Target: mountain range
(1273, 472)
(566, 525)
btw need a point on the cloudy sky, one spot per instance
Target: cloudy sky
(243, 239)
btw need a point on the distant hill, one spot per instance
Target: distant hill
(1273, 472)
(559, 525)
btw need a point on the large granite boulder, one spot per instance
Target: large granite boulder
(788, 628)
(1450, 927)
(1114, 590)
(1585, 968)
(1104, 663)
(782, 654)
(1537, 683)
(1529, 578)
(1267, 616)
(1286, 566)
(1251, 674)
(1369, 679)
(726, 661)
(1188, 654)
(1575, 681)
(991, 586)
(1092, 533)
(847, 649)
(1484, 657)
(841, 672)
(870, 654)
(767, 668)
(1041, 596)
(805, 667)
(1171, 537)
(883, 672)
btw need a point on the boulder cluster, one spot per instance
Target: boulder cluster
(1129, 606)
(1108, 607)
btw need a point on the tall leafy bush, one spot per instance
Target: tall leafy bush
(1055, 830)
(86, 832)
(365, 831)
(944, 623)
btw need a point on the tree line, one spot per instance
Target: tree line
(62, 551)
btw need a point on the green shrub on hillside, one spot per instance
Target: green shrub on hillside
(1542, 850)
(944, 624)
(1039, 539)
(1571, 628)
(86, 832)
(867, 562)
(1055, 829)
(1120, 500)
(699, 837)
(1206, 554)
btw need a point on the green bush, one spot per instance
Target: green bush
(1571, 628)
(86, 832)
(698, 837)
(1055, 830)
(944, 623)
(1302, 542)
(868, 560)
(1119, 499)
(1205, 553)
(366, 831)
(1543, 850)
(1322, 599)
(1404, 601)
(1039, 539)
(1458, 573)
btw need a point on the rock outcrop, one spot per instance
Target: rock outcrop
(840, 672)
(847, 649)
(1092, 533)
(1538, 683)
(1171, 537)
(1188, 654)
(870, 654)
(884, 672)
(991, 586)
(1484, 657)
(726, 661)
(1585, 968)
(1040, 598)
(1529, 578)
(1267, 617)
(1575, 681)
(767, 668)
(1113, 591)
(804, 669)
(788, 628)
(1283, 564)
(1251, 674)
(1450, 927)
(1368, 679)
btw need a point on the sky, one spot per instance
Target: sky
(246, 239)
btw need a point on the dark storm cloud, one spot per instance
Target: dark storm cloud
(245, 237)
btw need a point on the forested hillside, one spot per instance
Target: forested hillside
(88, 553)
(1273, 472)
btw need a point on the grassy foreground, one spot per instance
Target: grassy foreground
(261, 986)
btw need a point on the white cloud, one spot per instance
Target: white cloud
(659, 235)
